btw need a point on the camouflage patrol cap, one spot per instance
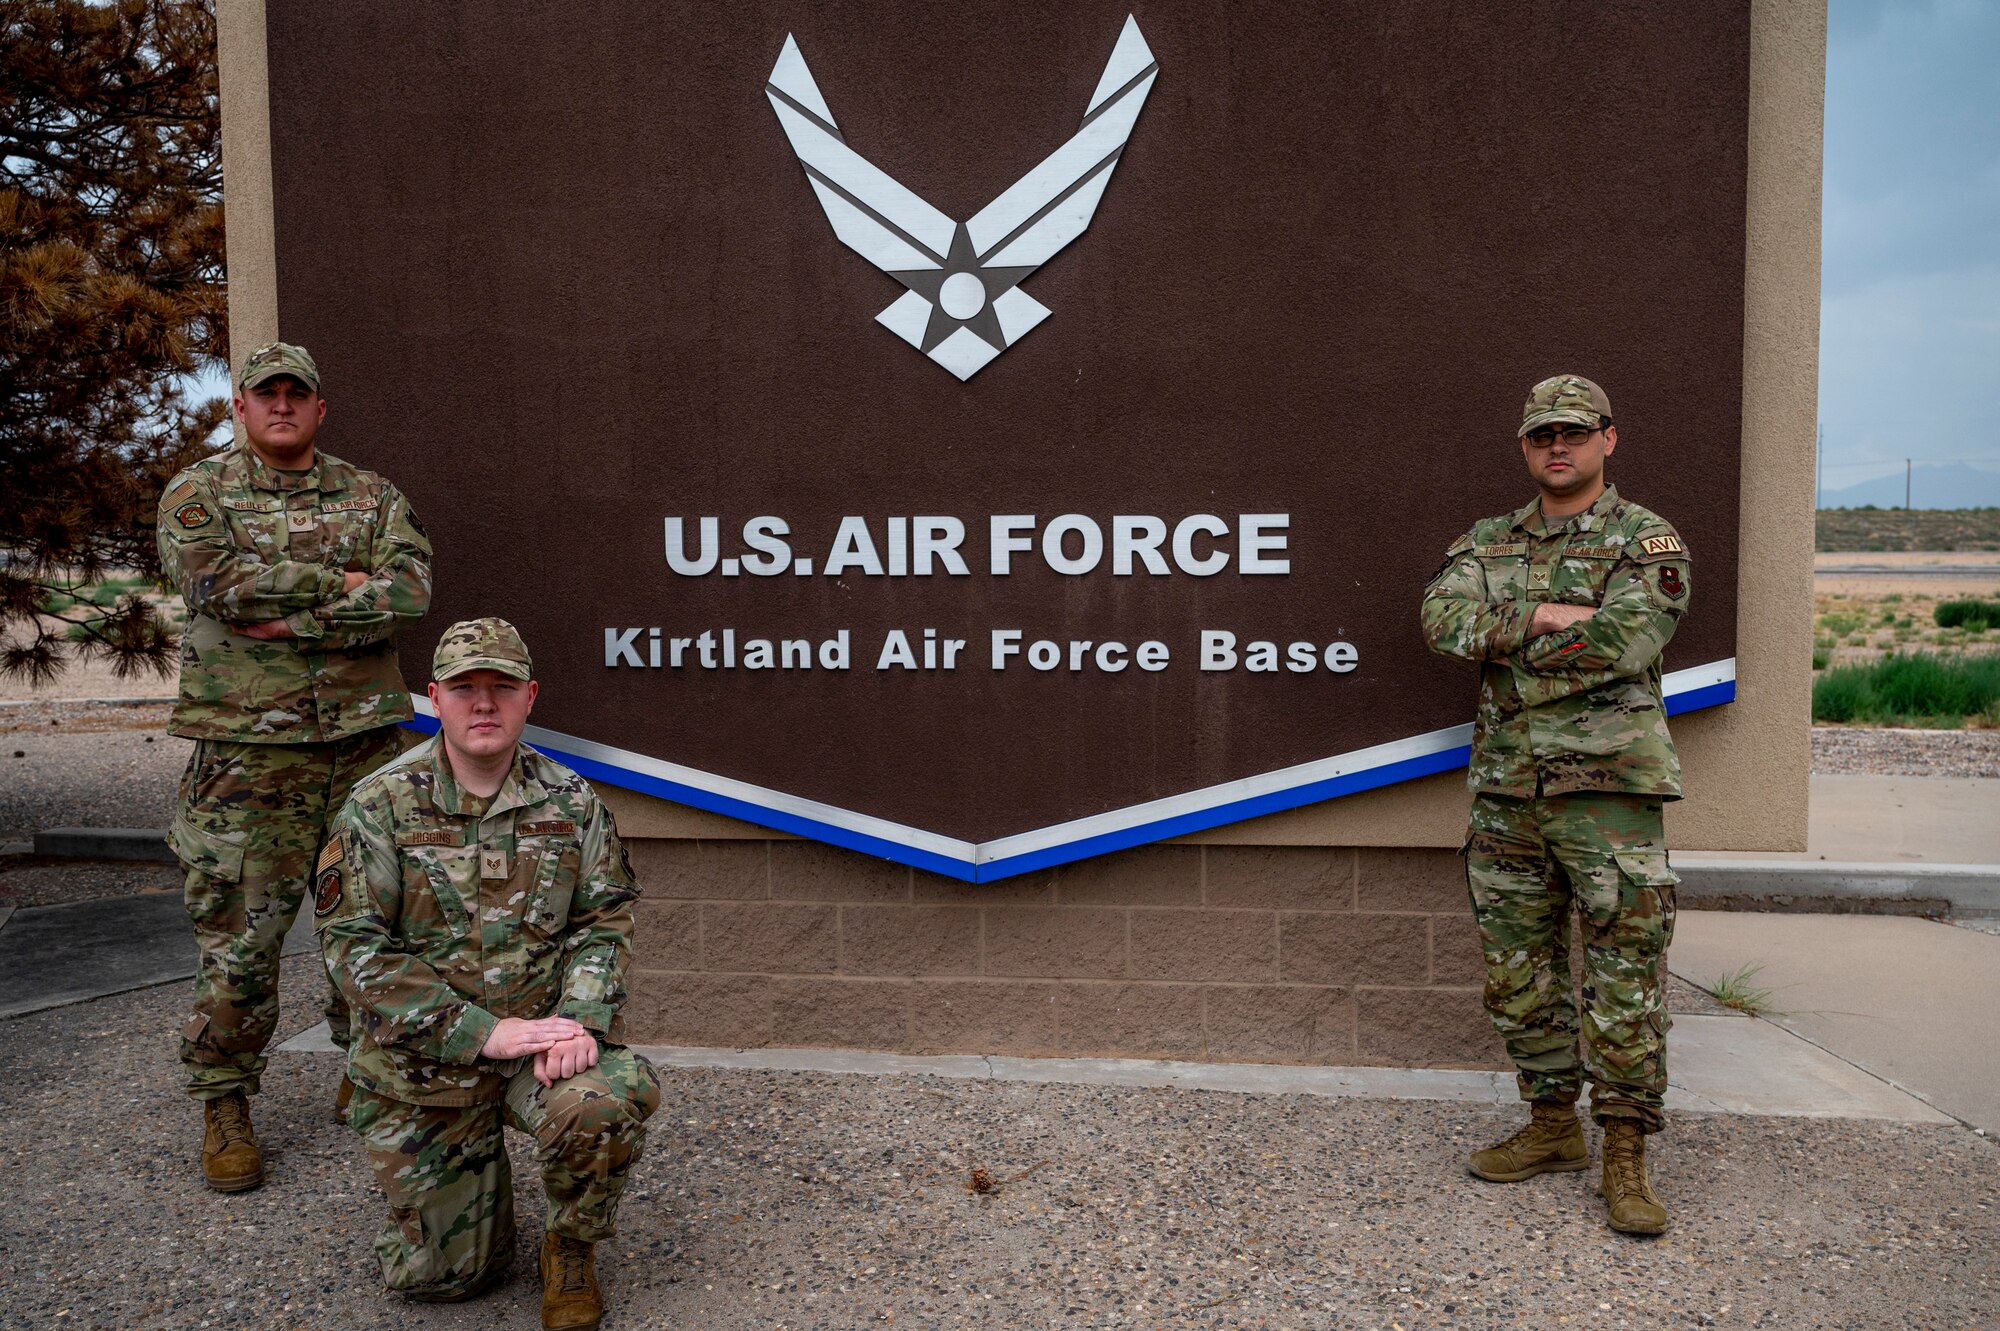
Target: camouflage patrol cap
(1566, 399)
(274, 359)
(481, 644)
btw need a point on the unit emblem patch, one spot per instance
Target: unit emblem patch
(193, 515)
(1670, 582)
(327, 895)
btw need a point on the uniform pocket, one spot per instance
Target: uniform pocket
(453, 875)
(1646, 868)
(555, 887)
(1647, 897)
(205, 852)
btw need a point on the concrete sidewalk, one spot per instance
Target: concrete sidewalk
(1877, 819)
(1913, 1002)
(54, 955)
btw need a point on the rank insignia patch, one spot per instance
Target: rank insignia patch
(193, 515)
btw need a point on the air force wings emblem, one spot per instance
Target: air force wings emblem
(964, 305)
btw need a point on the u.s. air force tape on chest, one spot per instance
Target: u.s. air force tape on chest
(551, 827)
(1659, 547)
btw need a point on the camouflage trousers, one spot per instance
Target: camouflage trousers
(250, 824)
(1530, 863)
(444, 1168)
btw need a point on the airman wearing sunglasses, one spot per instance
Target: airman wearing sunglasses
(1566, 605)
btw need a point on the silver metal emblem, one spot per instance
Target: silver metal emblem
(964, 305)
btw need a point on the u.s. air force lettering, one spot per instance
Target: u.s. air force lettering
(1200, 545)
(964, 305)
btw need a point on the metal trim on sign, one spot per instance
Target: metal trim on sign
(988, 861)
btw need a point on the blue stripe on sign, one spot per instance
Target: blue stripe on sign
(1312, 792)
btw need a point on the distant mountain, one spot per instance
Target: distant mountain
(1949, 485)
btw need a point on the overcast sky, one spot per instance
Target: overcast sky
(1910, 319)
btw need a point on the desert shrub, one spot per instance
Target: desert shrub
(1922, 688)
(1974, 615)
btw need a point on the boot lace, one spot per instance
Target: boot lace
(232, 1120)
(1628, 1168)
(1541, 1128)
(570, 1258)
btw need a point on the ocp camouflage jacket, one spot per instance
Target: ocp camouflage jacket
(437, 921)
(1580, 709)
(245, 543)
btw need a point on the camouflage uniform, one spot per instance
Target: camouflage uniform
(283, 727)
(441, 913)
(1571, 763)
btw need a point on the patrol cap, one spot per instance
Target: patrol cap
(481, 644)
(1566, 399)
(274, 359)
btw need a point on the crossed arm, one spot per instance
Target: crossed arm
(334, 608)
(1555, 650)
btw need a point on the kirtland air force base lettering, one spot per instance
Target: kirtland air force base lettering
(1199, 545)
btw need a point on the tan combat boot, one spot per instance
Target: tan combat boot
(1552, 1142)
(571, 1300)
(1627, 1191)
(230, 1160)
(343, 1095)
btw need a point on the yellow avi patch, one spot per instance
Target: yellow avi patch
(1663, 545)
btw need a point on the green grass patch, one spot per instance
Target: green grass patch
(1910, 689)
(1735, 990)
(1973, 615)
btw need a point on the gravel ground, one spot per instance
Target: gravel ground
(804, 1200)
(28, 882)
(81, 771)
(1864, 751)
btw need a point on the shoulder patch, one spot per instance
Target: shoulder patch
(329, 857)
(326, 893)
(177, 494)
(1659, 547)
(437, 838)
(193, 515)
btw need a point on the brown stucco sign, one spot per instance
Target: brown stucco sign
(654, 342)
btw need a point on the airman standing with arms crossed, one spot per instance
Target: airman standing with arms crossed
(297, 570)
(476, 907)
(1566, 605)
